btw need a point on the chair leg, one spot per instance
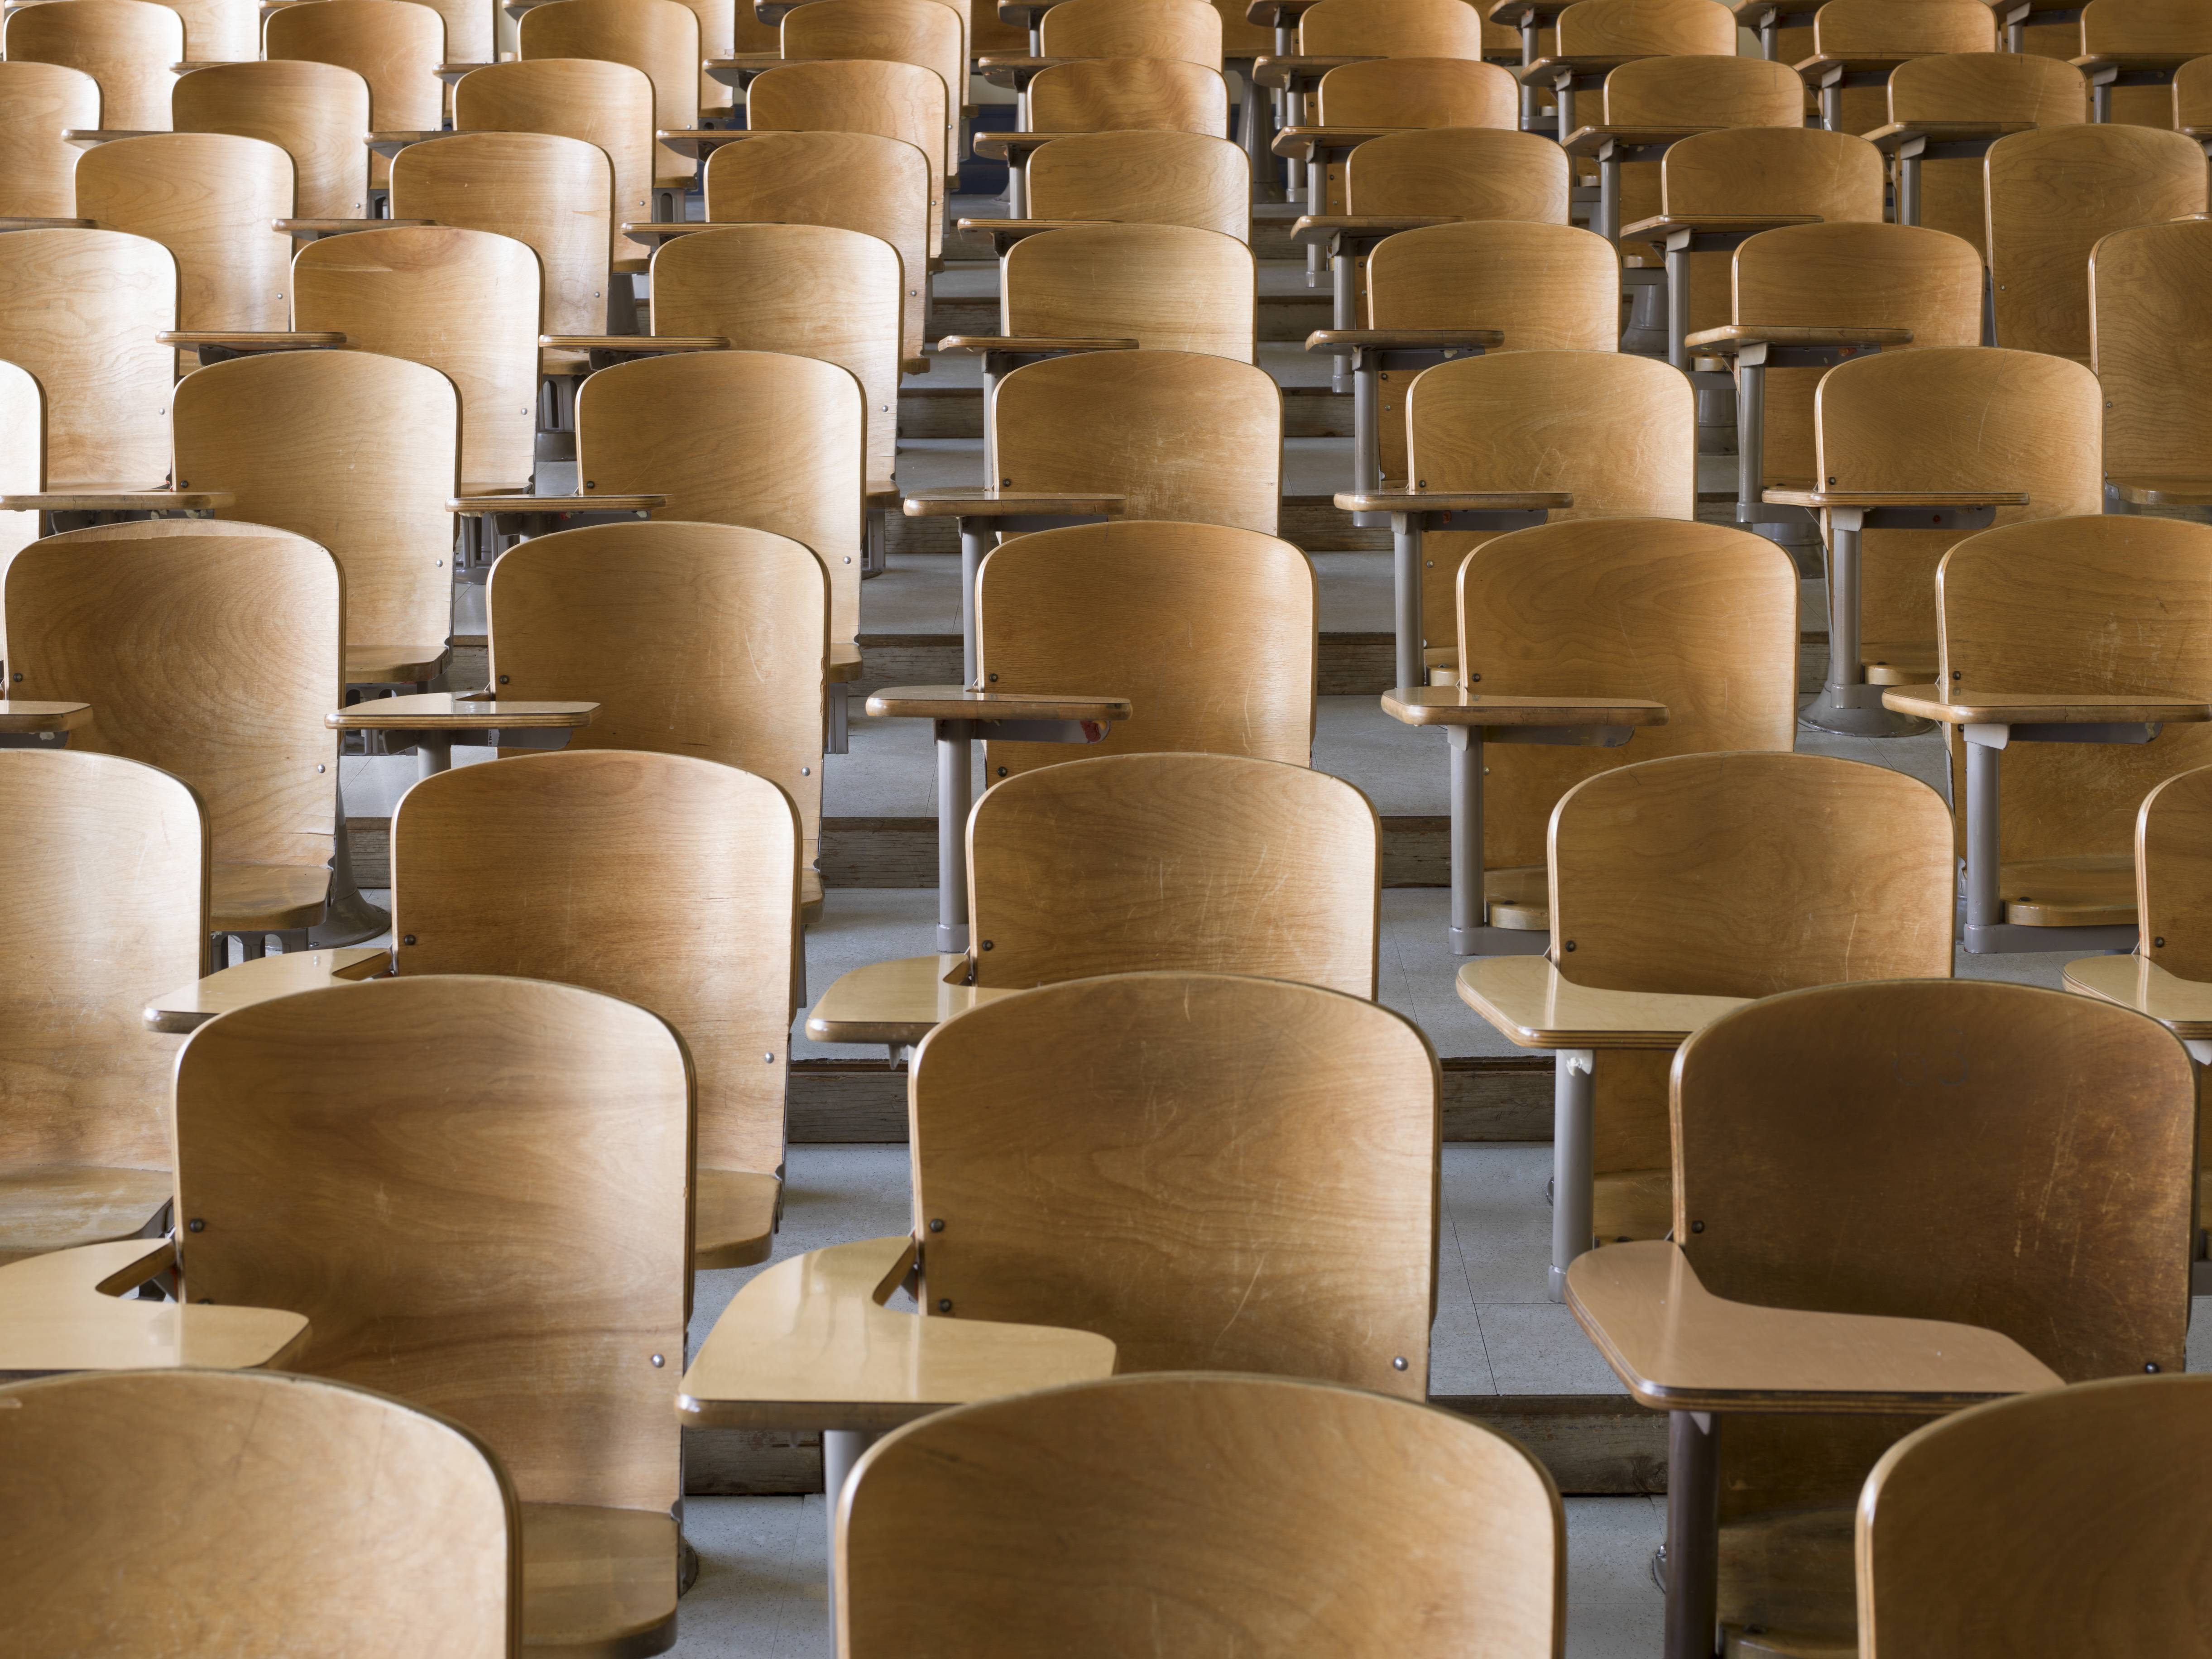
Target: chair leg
(348, 918)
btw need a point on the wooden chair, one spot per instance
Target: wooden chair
(396, 51)
(1147, 178)
(1107, 95)
(923, 32)
(707, 641)
(128, 46)
(39, 102)
(148, 624)
(2192, 98)
(987, 1485)
(1945, 112)
(1165, 287)
(316, 114)
(1596, 37)
(1805, 1361)
(602, 103)
(214, 202)
(1978, 1534)
(1171, 30)
(892, 100)
(1858, 43)
(406, 1534)
(562, 1183)
(22, 452)
(1913, 449)
(2130, 50)
(658, 38)
(1413, 92)
(84, 1143)
(2145, 291)
(2053, 194)
(2074, 729)
(79, 310)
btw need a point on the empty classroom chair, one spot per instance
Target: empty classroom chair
(602, 103)
(658, 38)
(2192, 98)
(128, 47)
(220, 31)
(1171, 30)
(393, 45)
(2130, 49)
(1450, 1534)
(214, 201)
(1155, 178)
(1651, 102)
(1596, 37)
(39, 102)
(2052, 194)
(1414, 92)
(1121, 94)
(106, 888)
(1167, 287)
(1458, 172)
(923, 32)
(317, 113)
(538, 1133)
(892, 100)
(403, 1535)
(1858, 43)
(2148, 332)
(1946, 111)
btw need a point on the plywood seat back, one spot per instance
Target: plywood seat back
(22, 452)
(1879, 29)
(2173, 887)
(1180, 31)
(2123, 26)
(924, 32)
(316, 114)
(286, 1504)
(1240, 36)
(1390, 28)
(212, 200)
(760, 439)
(658, 38)
(602, 103)
(1192, 862)
(1168, 287)
(1458, 172)
(38, 167)
(393, 45)
(1174, 1160)
(1417, 92)
(1151, 177)
(1979, 86)
(667, 881)
(126, 46)
(1646, 28)
(2192, 94)
(1454, 1534)
(1129, 94)
(891, 100)
(1181, 435)
(1701, 618)
(2150, 344)
(1210, 632)
(1698, 90)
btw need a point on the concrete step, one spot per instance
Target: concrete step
(956, 411)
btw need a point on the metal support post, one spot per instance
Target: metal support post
(1909, 155)
(954, 794)
(841, 1450)
(1693, 1534)
(1318, 202)
(348, 918)
(1344, 305)
(1366, 427)
(1985, 747)
(836, 718)
(1608, 223)
(1750, 435)
(973, 535)
(1831, 101)
(1406, 579)
(1678, 299)
(1573, 1153)
(1530, 31)
(1470, 911)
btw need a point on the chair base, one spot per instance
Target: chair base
(1825, 713)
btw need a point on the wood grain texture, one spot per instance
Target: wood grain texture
(353, 450)
(898, 1001)
(1617, 432)
(701, 639)
(1952, 419)
(1210, 632)
(811, 291)
(511, 1118)
(1168, 287)
(667, 881)
(1171, 1160)
(1647, 28)
(1702, 90)
(1979, 86)
(66, 1311)
(892, 100)
(1187, 862)
(1152, 178)
(38, 103)
(2149, 317)
(1390, 28)
(316, 114)
(1460, 173)
(1124, 93)
(2173, 884)
(762, 438)
(79, 310)
(22, 450)
(2052, 195)
(397, 52)
(1533, 1005)
(126, 46)
(1179, 31)
(2192, 95)
(287, 1504)
(188, 1007)
(1884, 33)
(922, 32)
(1999, 1528)
(212, 200)
(1184, 435)
(1417, 92)
(658, 38)
(1456, 1537)
(602, 103)
(106, 882)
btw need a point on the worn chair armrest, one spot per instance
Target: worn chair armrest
(1534, 1006)
(958, 345)
(86, 138)
(118, 501)
(808, 1344)
(344, 227)
(981, 502)
(64, 1312)
(1002, 146)
(455, 71)
(2183, 1006)
(1679, 1347)
(251, 339)
(697, 141)
(1270, 70)
(1956, 705)
(1325, 226)
(1004, 232)
(1731, 223)
(1897, 134)
(953, 703)
(643, 345)
(1931, 498)
(1402, 340)
(430, 711)
(895, 1002)
(14, 221)
(1726, 340)
(662, 230)
(1453, 501)
(2147, 491)
(1545, 72)
(388, 144)
(607, 502)
(1449, 705)
(1588, 140)
(1856, 63)
(1299, 143)
(2134, 60)
(192, 1006)
(18, 717)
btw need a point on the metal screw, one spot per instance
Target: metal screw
(591, 483)
(1397, 1362)
(805, 771)
(770, 1058)
(1696, 1226)
(994, 678)
(503, 679)
(437, 564)
(936, 1224)
(849, 558)
(1474, 679)
(196, 1226)
(1570, 944)
(2158, 944)
(318, 766)
(207, 1302)
(1002, 771)
(1958, 673)
(1003, 482)
(944, 1304)
(407, 939)
(986, 944)
(2152, 1367)
(1832, 483)
(657, 1362)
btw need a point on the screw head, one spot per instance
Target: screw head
(944, 1304)
(805, 771)
(2152, 1367)
(407, 939)
(196, 1226)
(1002, 771)
(503, 679)
(986, 944)
(1397, 1362)
(1570, 944)
(994, 678)
(591, 483)
(768, 1058)
(2158, 944)
(1474, 679)
(318, 766)
(1696, 1226)
(937, 1223)
(657, 1362)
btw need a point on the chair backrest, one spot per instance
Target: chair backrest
(463, 302)
(1458, 172)
(2150, 344)
(316, 114)
(2039, 604)
(1417, 92)
(1456, 1535)
(924, 32)
(658, 38)
(2173, 885)
(407, 1535)
(220, 31)
(1699, 617)
(1129, 94)
(880, 187)
(2192, 94)
(1147, 178)
(554, 194)
(126, 46)
(762, 438)
(811, 291)
(79, 310)
(514, 1118)
(1390, 28)
(1950, 419)
(1184, 435)
(2123, 27)
(1993, 1530)
(2053, 194)
(1874, 275)
(891, 100)
(353, 451)
(1182, 31)
(105, 886)
(213, 201)
(664, 880)
(209, 650)
(1703, 91)
(694, 639)
(1167, 287)
(1210, 632)
(1647, 28)
(22, 452)
(1192, 862)
(1902, 28)
(602, 103)
(38, 168)
(393, 45)
(1069, 1138)
(1988, 86)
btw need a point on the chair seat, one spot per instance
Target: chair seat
(1789, 1586)
(1629, 1204)
(2094, 890)
(61, 1208)
(1519, 898)
(599, 1582)
(269, 898)
(1894, 662)
(809, 890)
(845, 663)
(394, 664)
(734, 1217)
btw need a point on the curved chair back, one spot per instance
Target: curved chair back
(1647, 28)
(127, 46)
(213, 201)
(1145, 178)
(658, 38)
(316, 113)
(1699, 91)
(2150, 344)
(1388, 29)
(1167, 287)
(39, 102)
(1130, 95)
(22, 452)
(602, 103)
(2127, 27)
(1180, 31)
(923, 32)
(1886, 28)
(1458, 172)
(391, 44)
(2173, 886)
(1417, 92)
(1979, 86)
(892, 100)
